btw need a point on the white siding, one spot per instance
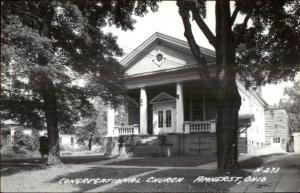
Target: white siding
(173, 59)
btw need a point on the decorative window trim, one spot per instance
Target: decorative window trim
(159, 58)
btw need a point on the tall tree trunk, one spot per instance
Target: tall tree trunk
(228, 104)
(228, 98)
(50, 103)
(50, 108)
(46, 89)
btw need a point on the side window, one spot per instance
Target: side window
(276, 139)
(60, 140)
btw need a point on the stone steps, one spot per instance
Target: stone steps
(147, 148)
(146, 151)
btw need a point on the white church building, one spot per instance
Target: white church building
(168, 96)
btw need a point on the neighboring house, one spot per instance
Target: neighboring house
(168, 96)
(296, 141)
(278, 128)
(251, 137)
(10, 127)
(68, 140)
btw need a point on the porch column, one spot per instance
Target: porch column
(204, 106)
(110, 121)
(143, 112)
(179, 108)
(191, 107)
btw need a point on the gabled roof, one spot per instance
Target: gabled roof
(162, 39)
(162, 98)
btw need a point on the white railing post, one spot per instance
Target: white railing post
(135, 129)
(116, 131)
(213, 126)
(187, 126)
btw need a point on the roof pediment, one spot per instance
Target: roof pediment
(163, 98)
(171, 52)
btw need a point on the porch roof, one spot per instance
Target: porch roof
(245, 120)
(180, 74)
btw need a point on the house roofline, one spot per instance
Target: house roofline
(164, 39)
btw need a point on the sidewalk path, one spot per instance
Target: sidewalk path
(286, 180)
(110, 186)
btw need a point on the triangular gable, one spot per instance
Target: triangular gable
(162, 98)
(176, 54)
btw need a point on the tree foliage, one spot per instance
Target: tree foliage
(74, 47)
(265, 50)
(48, 46)
(293, 104)
(268, 51)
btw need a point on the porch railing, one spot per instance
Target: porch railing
(126, 130)
(200, 126)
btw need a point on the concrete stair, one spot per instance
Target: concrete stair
(147, 148)
(151, 140)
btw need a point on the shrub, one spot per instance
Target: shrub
(7, 151)
(162, 139)
(122, 139)
(23, 143)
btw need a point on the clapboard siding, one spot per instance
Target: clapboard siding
(242, 145)
(276, 125)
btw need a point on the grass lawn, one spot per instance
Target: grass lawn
(176, 161)
(186, 185)
(45, 179)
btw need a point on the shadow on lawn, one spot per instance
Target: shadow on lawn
(13, 166)
(257, 161)
(98, 172)
(64, 159)
(10, 170)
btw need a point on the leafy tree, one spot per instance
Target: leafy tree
(46, 46)
(293, 104)
(267, 50)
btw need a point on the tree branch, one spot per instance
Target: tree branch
(203, 69)
(234, 14)
(243, 28)
(204, 28)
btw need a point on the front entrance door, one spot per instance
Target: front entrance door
(165, 120)
(164, 113)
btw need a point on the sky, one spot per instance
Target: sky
(167, 21)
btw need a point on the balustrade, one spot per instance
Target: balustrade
(127, 130)
(200, 126)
